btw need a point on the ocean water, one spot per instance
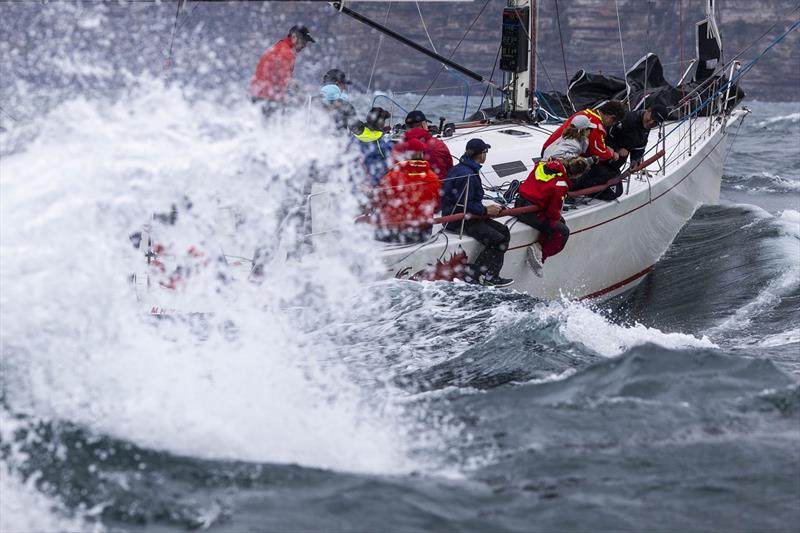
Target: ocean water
(319, 399)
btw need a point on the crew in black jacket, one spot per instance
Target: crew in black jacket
(631, 133)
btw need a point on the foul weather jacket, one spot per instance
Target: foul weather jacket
(597, 136)
(546, 186)
(436, 151)
(408, 195)
(630, 134)
(462, 186)
(273, 72)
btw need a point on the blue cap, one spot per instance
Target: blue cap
(331, 93)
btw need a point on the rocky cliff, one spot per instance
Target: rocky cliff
(588, 28)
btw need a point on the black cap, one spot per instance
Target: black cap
(335, 75)
(376, 118)
(415, 117)
(658, 112)
(301, 31)
(477, 146)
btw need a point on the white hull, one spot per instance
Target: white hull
(613, 245)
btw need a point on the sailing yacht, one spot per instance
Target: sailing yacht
(612, 245)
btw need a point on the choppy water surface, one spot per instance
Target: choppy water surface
(315, 401)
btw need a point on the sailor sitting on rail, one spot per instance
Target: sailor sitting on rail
(462, 192)
(407, 197)
(546, 187)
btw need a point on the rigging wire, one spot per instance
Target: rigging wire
(9, 115)
(781, 18)
(561, 40)
(496, 58)
(378, 49)
(425, 27)
(544, 68)
(723, 87)
(647, 59)
(168, 63)
(176, 27)
(433, 81)
(622, 52)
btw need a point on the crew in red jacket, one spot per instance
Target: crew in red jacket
(603, 118)
(407, 197)
(276, 66)
(546, 187)
(436, 151)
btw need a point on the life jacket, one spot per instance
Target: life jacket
(408, 195)
(369, 136)
(546, 187)
(597, 136)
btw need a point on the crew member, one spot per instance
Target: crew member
(603, 118)
(335, 99)
(375, 147)
(574, 140)
(546, 187)
(628, 135)
(436, 151)
(462, 192)
(276, 66)
(633, 131)
(407, 197)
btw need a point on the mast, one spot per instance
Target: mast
(517, 55)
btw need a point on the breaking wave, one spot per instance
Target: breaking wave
(245, 382)
(763, 183)
(791, 118)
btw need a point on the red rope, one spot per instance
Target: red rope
(528, 208)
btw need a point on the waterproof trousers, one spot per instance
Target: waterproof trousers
(553, 236)
(494, 236)
(601, 173)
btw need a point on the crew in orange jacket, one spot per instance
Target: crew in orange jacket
(276, 66)
(407, 196)
(546, 187)
(603, 118)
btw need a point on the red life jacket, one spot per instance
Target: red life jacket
(597, 136)
(546, 186)
(407, 195)
(273, 72)
(436, 151)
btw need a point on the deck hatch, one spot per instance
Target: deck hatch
(507, 169)
(515, 133)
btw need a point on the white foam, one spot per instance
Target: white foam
(80, 348)
(791, 117)
(581, 324)
(781, 339)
